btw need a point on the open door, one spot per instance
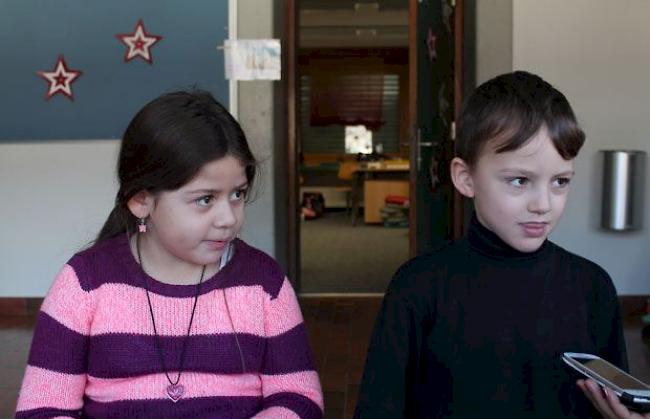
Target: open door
(435, 80)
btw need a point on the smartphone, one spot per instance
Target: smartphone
(631, 391)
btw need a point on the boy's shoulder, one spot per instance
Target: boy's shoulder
(579, 264)
(421, 273)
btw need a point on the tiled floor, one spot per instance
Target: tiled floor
(339, 329)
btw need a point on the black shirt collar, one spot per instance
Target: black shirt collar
(490, 244)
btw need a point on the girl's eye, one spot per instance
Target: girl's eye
(238, 195)
(204, 201)
(518, 182)
(561, 182)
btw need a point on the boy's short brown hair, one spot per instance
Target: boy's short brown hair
(511, 108)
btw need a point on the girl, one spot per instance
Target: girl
(168, 314)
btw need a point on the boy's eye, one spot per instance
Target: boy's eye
(238, 195)
(518, 181)
(561, 182)
(204, 200)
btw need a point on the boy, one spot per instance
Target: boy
(477, 328)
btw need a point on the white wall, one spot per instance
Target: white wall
(493, 38)
(598, 53)
(255, 20)
(55, 198)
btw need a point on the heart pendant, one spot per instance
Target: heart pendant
(175, 392)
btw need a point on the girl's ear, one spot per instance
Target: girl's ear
(461, 175)
(141, 204)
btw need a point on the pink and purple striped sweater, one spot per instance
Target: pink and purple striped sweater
(93, 353)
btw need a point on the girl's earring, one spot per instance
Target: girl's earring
(142, 225)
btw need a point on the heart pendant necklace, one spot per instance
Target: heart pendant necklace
(174, 391)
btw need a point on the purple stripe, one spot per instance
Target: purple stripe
(111, 261)
(303, 406)
(46, 412)
(288, 352)
(121, 355)
(199, 408)
(57, 348)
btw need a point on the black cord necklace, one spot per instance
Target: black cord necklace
(174, 390)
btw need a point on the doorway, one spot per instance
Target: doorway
(382, 74)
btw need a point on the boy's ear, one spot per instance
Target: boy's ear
(461, 175)
(141, 204)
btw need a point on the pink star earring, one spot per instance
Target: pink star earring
(142, 225)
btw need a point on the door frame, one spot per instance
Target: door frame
(293, 187)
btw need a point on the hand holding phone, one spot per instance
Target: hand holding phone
(632, 392)
(607, 402)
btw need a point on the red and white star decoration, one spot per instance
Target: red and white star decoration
(139, 43)
(60, 79)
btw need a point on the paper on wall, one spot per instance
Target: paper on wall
(252, 59)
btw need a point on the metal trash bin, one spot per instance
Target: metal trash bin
(623, 189)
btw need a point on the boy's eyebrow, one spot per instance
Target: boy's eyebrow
(214, 191)
(514, 170)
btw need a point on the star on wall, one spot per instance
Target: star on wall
(139, 43)
(60, 79)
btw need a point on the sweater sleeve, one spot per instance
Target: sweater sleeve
(392, 356)
(290, 384)
(55, 377)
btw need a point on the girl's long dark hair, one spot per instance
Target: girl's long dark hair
(166, 144)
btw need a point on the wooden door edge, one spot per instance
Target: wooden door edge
(412, 120)
(293, 227)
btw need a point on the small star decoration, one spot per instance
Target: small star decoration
(431, 46)
(139, 43)
(60, 79)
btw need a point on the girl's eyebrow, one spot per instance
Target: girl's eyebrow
(214, 191)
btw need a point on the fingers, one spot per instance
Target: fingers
(602, 400)
(617, 407)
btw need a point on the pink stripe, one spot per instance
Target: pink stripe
(45, 388)
(277, 413)
(305, 383)
(283, 312)
(126, 311)
(68, 303)
(154, 385)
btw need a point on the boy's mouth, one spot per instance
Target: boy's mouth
(534, 229)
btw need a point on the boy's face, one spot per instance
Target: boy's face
(520, 194)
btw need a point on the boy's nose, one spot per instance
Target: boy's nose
(540, 202)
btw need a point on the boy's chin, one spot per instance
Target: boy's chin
(528, 245)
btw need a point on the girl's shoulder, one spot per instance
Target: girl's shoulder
(107, 261)
(251, 266)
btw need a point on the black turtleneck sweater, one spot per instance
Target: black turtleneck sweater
(476, 329)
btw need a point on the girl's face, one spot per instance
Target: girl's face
(193, 224)
(520, 195)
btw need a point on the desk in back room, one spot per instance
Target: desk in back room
(378, 180)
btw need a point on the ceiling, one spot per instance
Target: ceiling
(353, 24)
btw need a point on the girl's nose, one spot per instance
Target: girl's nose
(224, 215)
